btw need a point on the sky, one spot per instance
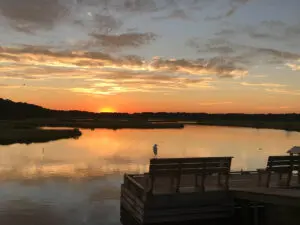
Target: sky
(215, 56)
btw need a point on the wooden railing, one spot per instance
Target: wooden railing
(134, 187)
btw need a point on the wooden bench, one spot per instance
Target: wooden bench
(280, 165)
(199, 167)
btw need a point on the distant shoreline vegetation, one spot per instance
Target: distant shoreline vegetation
(20, 122)
(28, 136)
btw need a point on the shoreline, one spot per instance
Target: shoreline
(284, 126)
(29, 136)
(94, 124)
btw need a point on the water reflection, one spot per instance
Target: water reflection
(78, 181)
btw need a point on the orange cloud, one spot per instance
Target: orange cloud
(99, 73)
(262, 84)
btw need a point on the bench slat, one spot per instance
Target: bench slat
(287, 157)
(281, 164)
(188, 165)
(189, 160)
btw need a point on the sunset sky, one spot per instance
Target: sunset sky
(213, 56)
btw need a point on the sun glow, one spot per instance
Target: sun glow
(107, 110)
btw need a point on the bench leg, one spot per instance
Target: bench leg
(178, 183)
(152, 178)
(172, 182)
(268, 180)
(202, 182)
(279, 177)
(227, 181)
(288, 181)
(196, 180)
(259, 179)
(219, 179)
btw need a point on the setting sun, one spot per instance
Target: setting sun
(107, 110)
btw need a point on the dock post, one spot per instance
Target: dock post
(255, 216)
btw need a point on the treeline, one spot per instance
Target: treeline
(10, 110)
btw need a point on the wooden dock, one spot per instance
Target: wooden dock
(246, 195)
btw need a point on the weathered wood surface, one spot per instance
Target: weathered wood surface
(166, 207)
(154, 197)
(275, 196)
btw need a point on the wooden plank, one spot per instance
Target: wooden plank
(135, 183)
(263, 195)
(133, 186)
(126, 218)
(187, 210)
(189, 160)
(283, 157)
(186, 218)
(195, 199)
(132, 211)
(190, 171)
(188, 165)
(283, 163)
(127, 193)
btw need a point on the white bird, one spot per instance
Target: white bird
(155, 150)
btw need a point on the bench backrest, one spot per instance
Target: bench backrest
(208, 165)
(283, 163)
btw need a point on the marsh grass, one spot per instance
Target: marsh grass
(279, 125)
(34, 135)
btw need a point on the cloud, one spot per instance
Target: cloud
(106, 23)
(100, 74)
(242, 54)
(293, 66)
(269, 30)
(175, 14)
(214, 103)
(122, 5)
(263, 84)
(283, 91)
(228, 9)
(123, 40)
(98, 60)
(30, 15)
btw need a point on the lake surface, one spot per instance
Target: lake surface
(75, 182)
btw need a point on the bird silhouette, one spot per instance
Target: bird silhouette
(155, 150)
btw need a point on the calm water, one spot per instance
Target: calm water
(72, 182)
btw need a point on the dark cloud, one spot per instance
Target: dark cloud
(123, 40)
(242, 54)
(32, 56)
(175, 14)
(122, 5)
(144, 6)
(29, 15)
(229, 9)
(106, 23)
(265, 31)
